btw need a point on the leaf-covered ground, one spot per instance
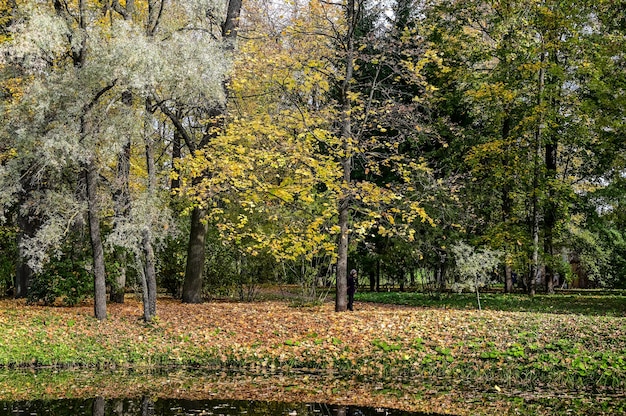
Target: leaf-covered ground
(426, 359)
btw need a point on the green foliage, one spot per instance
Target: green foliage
(615, 239)
(386, 347)
(474, 267)
(8, 256)
(584, 302)
(445, 107)
(171, 260)
(64, 279)
(232, 271)
(594, 255)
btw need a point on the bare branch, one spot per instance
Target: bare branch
(179, 126)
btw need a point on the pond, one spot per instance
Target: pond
(169, 407)
(176, 391)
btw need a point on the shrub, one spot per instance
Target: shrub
(474, 267)
(65, 279)
(8, 254)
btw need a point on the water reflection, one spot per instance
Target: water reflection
(146, 406)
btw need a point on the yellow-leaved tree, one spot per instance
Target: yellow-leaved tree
(312, 107)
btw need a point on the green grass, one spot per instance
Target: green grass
(589, 303)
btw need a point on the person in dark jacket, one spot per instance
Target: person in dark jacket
(351, 289)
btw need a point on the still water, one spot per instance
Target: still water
(169, 407)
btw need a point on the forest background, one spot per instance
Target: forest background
(207, 147)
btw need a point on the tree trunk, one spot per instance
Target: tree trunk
(550, 215)
(121, 199)
(441, 284)
(149, 269)
(150, 272)
(192, 287)
(508, 279)
(377, 275)
(147, 275)
(91, 178)
(91, 173)
(534, 272)
(98, 406)
(147, 406)
(551, 153)
(506, 200)
(439, 278)
(145, 296)
(176, 155)
(231, 23)
(341, 301)
(23, 277)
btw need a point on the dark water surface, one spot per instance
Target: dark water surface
(169, 407)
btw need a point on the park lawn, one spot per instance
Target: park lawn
(404, 354)
(584, 302)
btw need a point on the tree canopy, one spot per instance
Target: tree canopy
(309, 138)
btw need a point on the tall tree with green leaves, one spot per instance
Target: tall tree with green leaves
(517, 70)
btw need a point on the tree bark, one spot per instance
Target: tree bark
(508, 279)
(98, 406)
(550, 214)
(147, 406)
(90, 170)
(341, 299)
(231, 23)
(91, 179)
(377, 275)
(23, 276)
(176, 155)
(192, 286)
(551, 207)
(149, 285)
(145, 296)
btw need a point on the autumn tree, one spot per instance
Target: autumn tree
(56, 60)
(296, 155)
(263, 177)
(197, 118)
(84, 101)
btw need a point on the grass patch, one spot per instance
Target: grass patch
(591, 303)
